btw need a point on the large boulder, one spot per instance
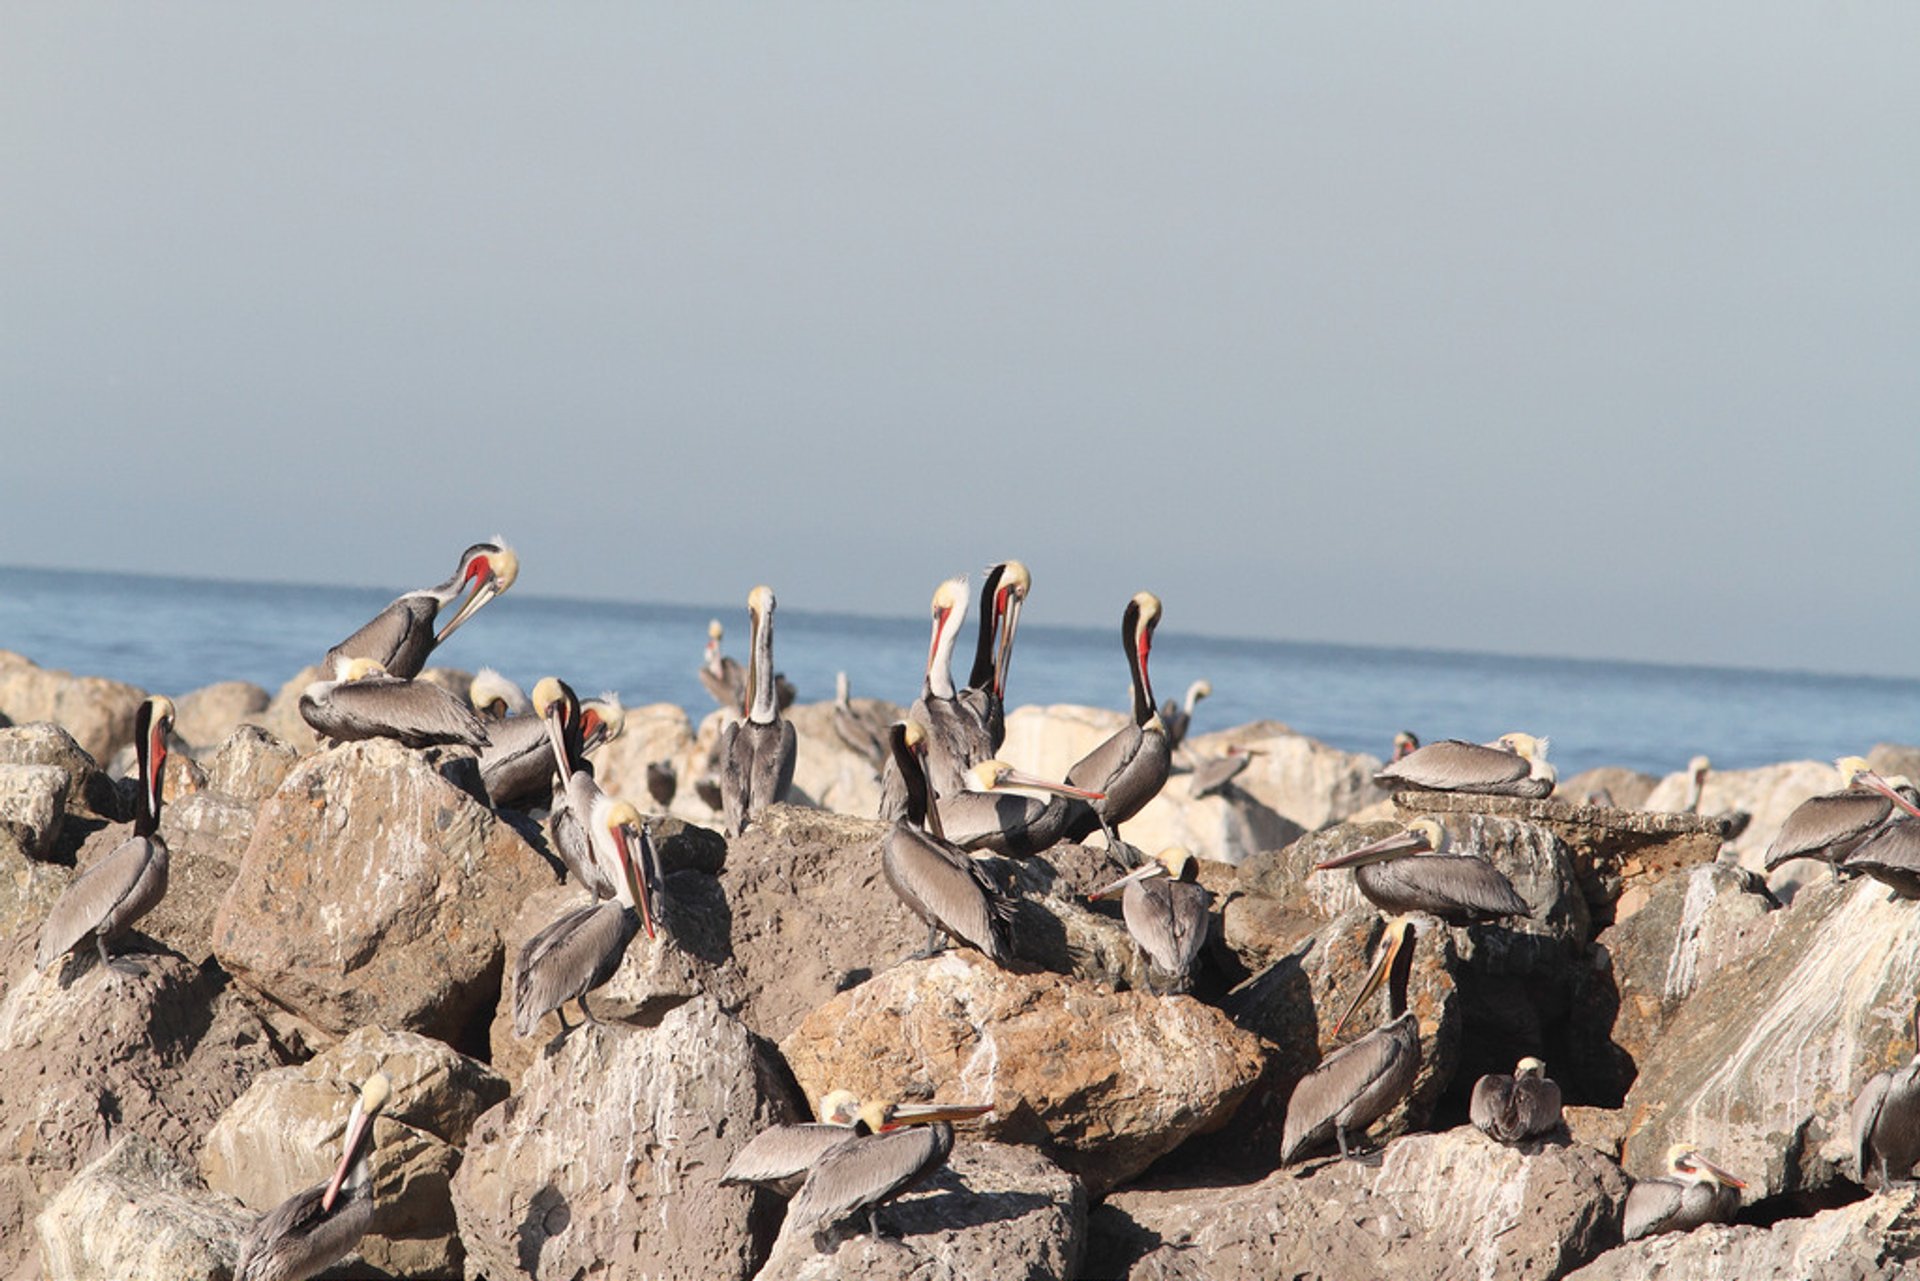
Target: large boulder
(137, 1214)
(1768, 793)
(89, 791)
(1108, 1081)
(206, 716)
(250, 765)
(96, 711)
(375, 892)
(33, 805)
(28, 890)
(826, 770)
(1877, 1239)
(607, 1159)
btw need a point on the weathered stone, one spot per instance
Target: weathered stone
(1436, 1205)
(993, 1210)
(1109, 1081)
(283, 1135)
(282, 717)
(1618, 788)
(137, 1214)
(206, 716)
(654, 732)
(89, 790)
(374, 891)
(1761, 1064)
(834, 775)
(97, 712)
(28, 889)
(1769, 794)
(1873, 1240)
(607, 1159)
(250, 765)
(33, 802)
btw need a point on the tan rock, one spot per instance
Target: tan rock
(33, 803)
(137, 1214)
(89, 791)
(654, 732)
(1623, 788)
(1110, 1080)
(1870, 1240)
(28, 890)
(1769, 794)
(250, 765)
(282, 718)
(206, 716)
(96, 711)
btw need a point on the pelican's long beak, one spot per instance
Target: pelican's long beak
(1377, 975)
(485, 587)
(639, 878)
(1717, 1173)
(359, 1126)
(1877, 783)
(928, 1113)
(1141, 873)
(556, 734)
(1395, 846)
(1003, 645)
(1020, 778)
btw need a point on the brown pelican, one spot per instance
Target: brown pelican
(956, 739)
(1212, 776)
(584, 947)
(1399, 875)
(1695, 1191)
(757, 755)
(495, 697)
(401, 636)
(1002, 592)
(1832, 825)
(1131, 767)
(1167, 918)
(863, 729)
(726, 680)
(1404, 743)
(1514, 765)
(1510, 1109)
(1178, 717)
(517, 765)
(312, 1230)
(363, 700)
(779, 1157)
(1890, 854)
(905, 1145)
(575, 793)
(934, 877)
(1886, 1122)
(984, 816)
(1357, 1084)
(119, 889)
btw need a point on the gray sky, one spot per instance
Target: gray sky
(1585, 330)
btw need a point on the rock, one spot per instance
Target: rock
(994, 1210)
(28, 889)
(1624, 789)
(375, 892)
(282, 717)
(137, 1214)
(607, 1159)
(1877, 1239)
(1890, 759)
(207, 715)
(89, 790)
(283, 1135)
(654, 732)
(80, 1064)
(826, 769)
(1437, 1205)
(33, 802)
(250, 765)
(1761, 1064)
(98, 713)
(1769, 794)
(1109, 1081)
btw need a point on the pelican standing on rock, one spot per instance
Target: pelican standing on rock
(1130, 767)
(1398, 874)
(757, 755)
(363, 701)
(1002, 592)
(1886, 1122)
(956, 740)
(517, 765)
(937, 879)
(119, 889)
(1358, 1084)
(1693, 1192)
(779, 1157)
(1511, 1109)
(575, 792)
(726, 680)
(1832, 825)
(401, 636)
(985, 816)
(1166, 918)
(904, 1145)
(314, 1229)
(1513, 765)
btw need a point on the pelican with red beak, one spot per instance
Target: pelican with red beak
(956, 740)
(933, 876)
(1694, 1191)
(1512, 765)
(1411, 871)
(1359, 1083)
(127, 883)
(1167, 918)
(987, 816)
(1832, 825)
(582, 949)
(1002, 592)
(894, 1147)
(1131, 767)
(401, 636)
(757, 754)
(314, 1229)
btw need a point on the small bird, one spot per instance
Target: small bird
(1399, 874)
(314, 1229)
(364, 700)
(1512, 765)
(1693, 1192)
(1167, 919)
(904, 1144)
(401, 636)
(1886, 1122)
(1510, 1109)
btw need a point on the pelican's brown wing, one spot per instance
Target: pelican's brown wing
(948, 889)
(575, 954)
(1343, 1079)
(418, 713)
(1455, 766)
(297, 1239)
(866, 1171)
(1822, 822)
(780, 1157)
(399, 637)
(109, 896)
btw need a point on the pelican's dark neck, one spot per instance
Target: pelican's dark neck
(1130, 625)
(907, 761)
(982, 675)
(1397, 979)
(150, 771)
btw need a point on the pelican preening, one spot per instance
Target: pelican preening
(1398, 874)
(1359, 1083)
(313, 1229)
(495, 698)
(956, 739)
(1130, 767)
(1166, 918)
(1513, 765)
(937, 879)
(1178, 717)
(401, 636)
(904, 1145)
(584, 947)
(364, 700)
(757, 754)
(985, 816)
(127, 883)
(778, 1158)
(1002, 592)
(1693, 1192)
(574, 793)
(1832, 825)
(1512, 1109)
(1886, 1122)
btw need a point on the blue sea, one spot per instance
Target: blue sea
(171, 635)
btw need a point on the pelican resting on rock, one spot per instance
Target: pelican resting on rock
(364, 700)
(1131, 767)
(956, 739)
(1832, 825)
(757, 755)
(1693, 1192)
(779, 1157)
(117, 890)
(401, 636)
(517, 765)
(986, 816)
(1002, 592)
(943, 885)
(1398, 874)
(1511, 1109)
(1890, 855)
(1513, 765)
(1167, 918)
(314, 1229)
(902, 1144)
(495, 697)
(1886, 1123)
(1359, 1083)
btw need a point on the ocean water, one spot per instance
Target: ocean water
(171, 635)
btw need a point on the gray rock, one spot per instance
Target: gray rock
(1624, 788)
(89, 790)
(250, 765)
(98, 713)
(33, 802)
(206, 716)
(1873, 1240)
(137, 1214)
